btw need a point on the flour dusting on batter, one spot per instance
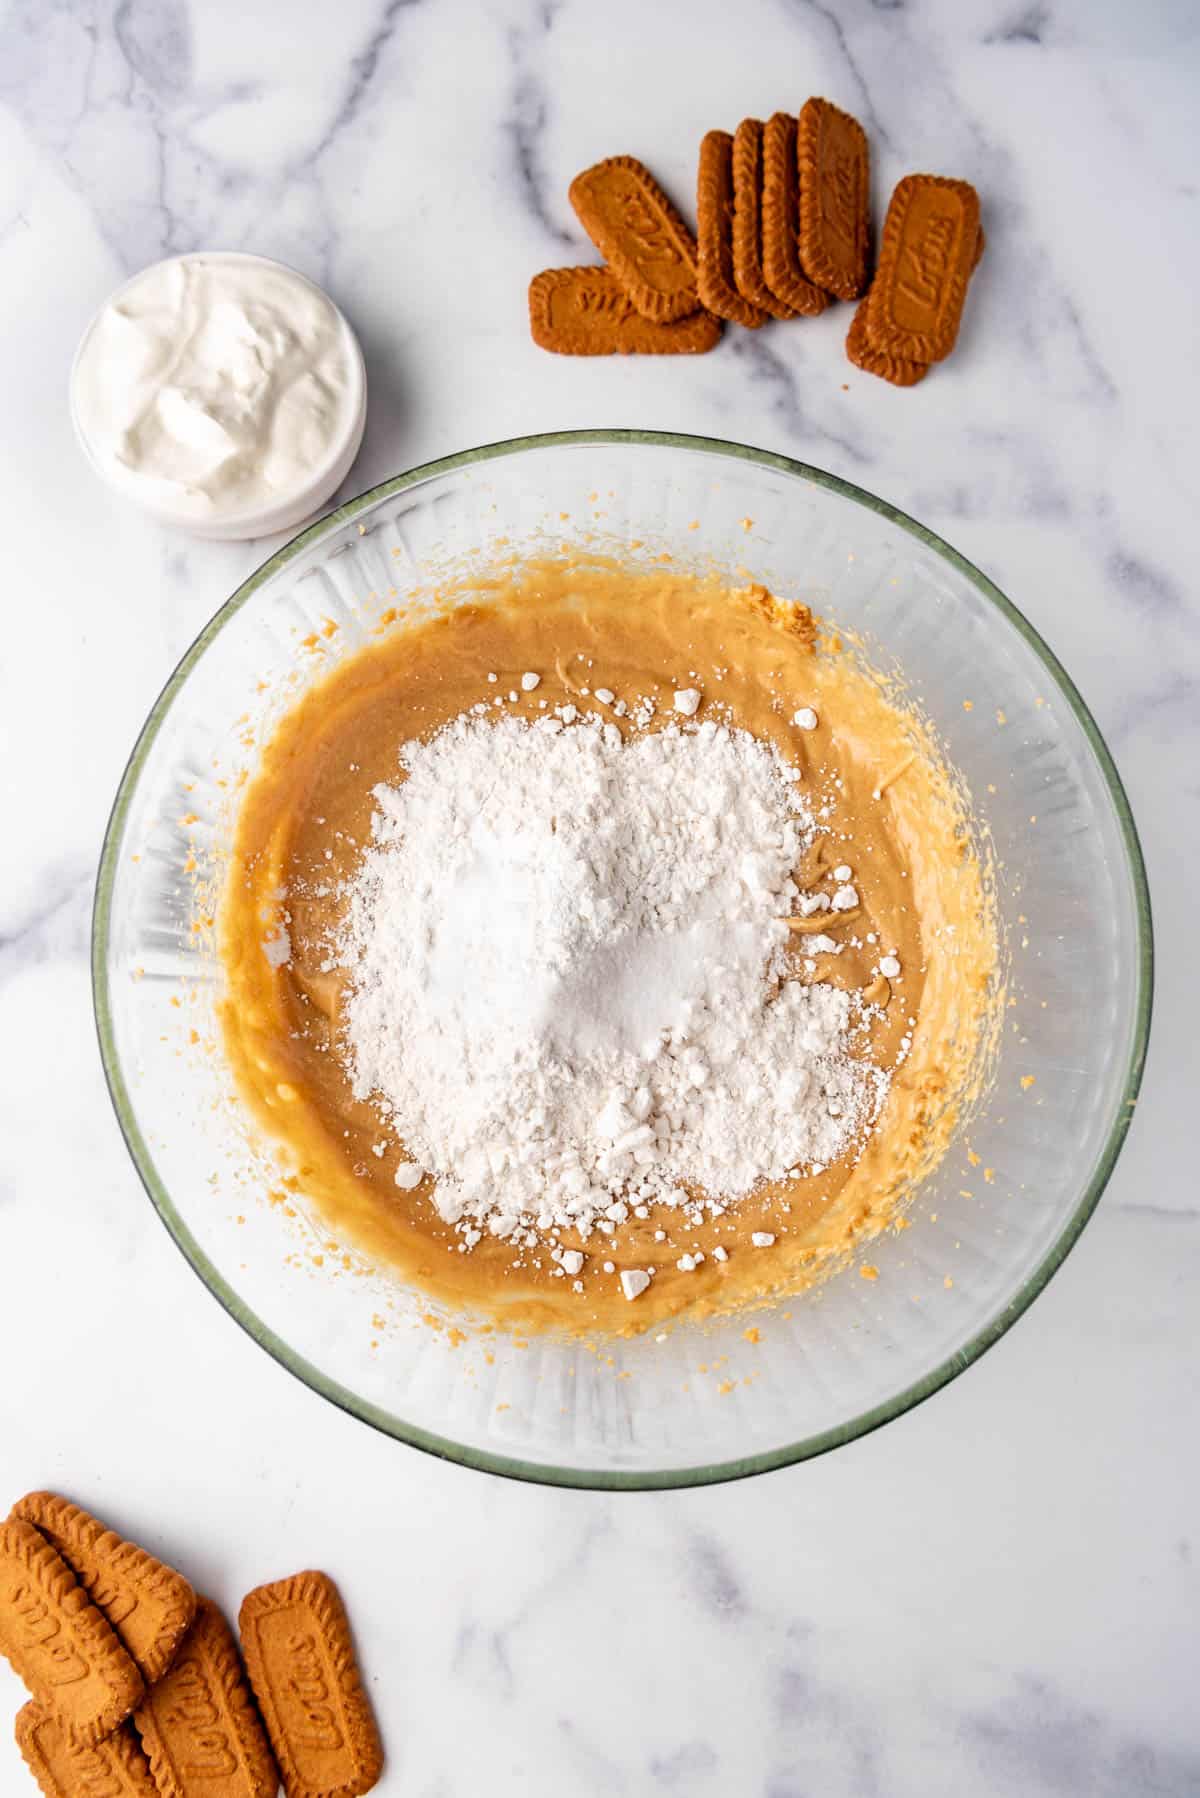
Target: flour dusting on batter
(569, 987)
(603, 947)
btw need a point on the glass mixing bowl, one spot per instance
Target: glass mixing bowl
(694, 1406)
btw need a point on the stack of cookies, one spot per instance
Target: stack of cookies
(783, 214)
(137, 1684)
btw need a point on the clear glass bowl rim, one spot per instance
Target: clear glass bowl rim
(605, 1479)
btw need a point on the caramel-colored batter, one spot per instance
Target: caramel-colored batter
(893, 813)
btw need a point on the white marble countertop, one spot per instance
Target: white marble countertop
(996, 1594)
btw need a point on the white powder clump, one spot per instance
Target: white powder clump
(278, 947)
(567, 974)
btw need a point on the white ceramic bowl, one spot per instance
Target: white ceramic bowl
(1073, 905)
(287, 510)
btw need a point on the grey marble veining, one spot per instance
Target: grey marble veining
(995, 1595)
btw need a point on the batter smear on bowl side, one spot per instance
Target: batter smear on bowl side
(605, 947)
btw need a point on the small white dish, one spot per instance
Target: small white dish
(286, 507)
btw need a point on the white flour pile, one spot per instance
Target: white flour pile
(565, 957)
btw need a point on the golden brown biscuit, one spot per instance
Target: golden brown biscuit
(65, 1768)
(640, 235)
(747, 220)
(714, 208)
(586, 312)
(300, 1656)
(835, 198)
(149, 1605)
(199, 1726)
(781, 266)
(929, 247)
(58, 1642)
(901, 371)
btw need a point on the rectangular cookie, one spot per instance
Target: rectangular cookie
(300, 1657)
(929, 246)
(714, 210)
(835, 198)
(148, 1605)
(640, 235)
(781, 266)
(861, 349)
(65, 1768)
(586, 312)
(747, 221)
(199, 1726)
(58, 1642)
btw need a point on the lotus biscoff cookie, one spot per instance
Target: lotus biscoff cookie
(781, 265)
(57, 1641)
(199, 1726)
(862, 350)
(714, 212)
(148, 1605)
(65, 1768)
(747, 221)
(835, 193)
(586, 312)
(640, 235)
(929, 247)
(300, 1657)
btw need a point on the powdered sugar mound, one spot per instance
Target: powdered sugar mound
(566, 954)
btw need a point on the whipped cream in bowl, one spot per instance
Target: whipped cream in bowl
(222, 392)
